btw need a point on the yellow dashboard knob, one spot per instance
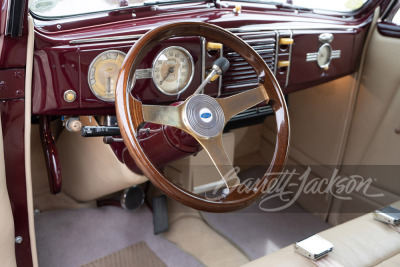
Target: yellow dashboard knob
(285, 41)
(237, 9)
(213, 46)
(282, 64)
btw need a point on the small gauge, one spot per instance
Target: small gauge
(324, 56)
(103, 74)
(173, 70)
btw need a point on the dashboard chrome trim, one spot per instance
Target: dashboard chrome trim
(295, 27)
(313, 56)
(290, 60)
(106, 39)
(271, 27)
(144, 73)
(277, 36)
(221, 54)
(336, 53)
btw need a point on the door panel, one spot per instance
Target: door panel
(7, 245)
(318, 117)
(374, 137)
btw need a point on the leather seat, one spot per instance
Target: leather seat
(359, 242)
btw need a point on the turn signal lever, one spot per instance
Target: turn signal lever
(220, 66)
(94, 131)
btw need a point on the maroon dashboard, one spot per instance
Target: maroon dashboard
(288, 40)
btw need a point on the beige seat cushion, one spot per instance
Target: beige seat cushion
(360, 242)
(391, 262)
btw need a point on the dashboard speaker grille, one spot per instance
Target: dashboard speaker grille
(240, 75)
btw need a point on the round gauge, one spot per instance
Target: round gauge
(324, 55)
(103, 74)
(173, 70)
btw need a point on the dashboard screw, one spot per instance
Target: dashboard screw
(18, 239)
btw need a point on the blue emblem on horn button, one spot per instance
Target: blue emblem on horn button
(205, 115)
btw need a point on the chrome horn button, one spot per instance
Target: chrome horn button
(204, 116)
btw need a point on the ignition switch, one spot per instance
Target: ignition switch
(73, 124)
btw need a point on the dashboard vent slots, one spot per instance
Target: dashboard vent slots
(240, 75)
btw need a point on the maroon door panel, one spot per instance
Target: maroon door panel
(13, 126)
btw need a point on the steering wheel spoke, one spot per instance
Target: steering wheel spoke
(235, 104)
(216, 151)
(165, 115)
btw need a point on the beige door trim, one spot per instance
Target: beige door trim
(27, 138)
(357, 82)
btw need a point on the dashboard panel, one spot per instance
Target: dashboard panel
(63, 54)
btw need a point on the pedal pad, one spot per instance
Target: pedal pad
(160, 215)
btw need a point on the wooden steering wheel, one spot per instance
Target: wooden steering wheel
(131, 113)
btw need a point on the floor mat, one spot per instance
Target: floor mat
(136, 255)
(70, 238)
(258, 233)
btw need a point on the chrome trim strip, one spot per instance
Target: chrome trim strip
(221, 54)
(203, 60)
(311, 56)
(106, 39)
(276, 51)
(290, 59)
(314, 56)
(255, 33)
(243, 30)
(295, 27)
(144, 73)
(336, 54)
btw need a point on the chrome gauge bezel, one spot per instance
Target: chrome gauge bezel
(330, 56)
(191, 75)
(91, 66)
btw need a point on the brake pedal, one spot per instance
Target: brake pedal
(160, 215)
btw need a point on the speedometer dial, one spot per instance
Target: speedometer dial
(173, 70)
(103, 74)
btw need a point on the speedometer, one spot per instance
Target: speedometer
(173, 70)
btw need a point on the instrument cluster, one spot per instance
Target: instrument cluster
(171, 72)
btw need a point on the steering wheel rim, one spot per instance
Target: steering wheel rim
(130, 115)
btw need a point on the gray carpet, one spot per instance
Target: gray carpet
(258, 233)
(136, 255)
(70, 238)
